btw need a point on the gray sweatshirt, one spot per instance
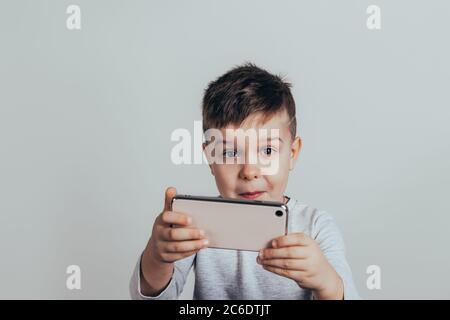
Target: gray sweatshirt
(231, 274)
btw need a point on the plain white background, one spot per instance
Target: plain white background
(86, 118)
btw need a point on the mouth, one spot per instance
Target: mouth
(252, 195)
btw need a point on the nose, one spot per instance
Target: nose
(250, 172)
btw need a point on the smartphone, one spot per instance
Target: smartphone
(234, 223)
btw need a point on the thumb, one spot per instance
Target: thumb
(170, 193)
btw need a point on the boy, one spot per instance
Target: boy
(308, 263)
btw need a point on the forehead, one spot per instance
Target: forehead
(279, 120)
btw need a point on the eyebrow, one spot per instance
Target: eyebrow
(229, 141)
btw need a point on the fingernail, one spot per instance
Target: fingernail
(274, 243)
(261, 254)
(189, 220)
(205, 241)
(202, 233)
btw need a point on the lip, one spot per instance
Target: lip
(251, 195)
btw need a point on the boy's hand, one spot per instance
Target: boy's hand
(298, 257)
(168, 244)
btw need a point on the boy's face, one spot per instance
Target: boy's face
(248, 179)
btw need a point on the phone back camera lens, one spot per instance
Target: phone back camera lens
(279, 213)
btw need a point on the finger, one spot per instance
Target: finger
(294, 275)
(170, 193)
(292, 239)
(285, 252)
(172, 257)
(172, 217)
(177, 234)
(290, 264)
(184, 246)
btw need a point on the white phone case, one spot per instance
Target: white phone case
(234, 223)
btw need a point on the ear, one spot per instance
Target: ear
(207, 157)
(296, 146)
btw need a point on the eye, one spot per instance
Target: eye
(230, 153)
(268, 151)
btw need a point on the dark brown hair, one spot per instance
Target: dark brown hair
(243, 91)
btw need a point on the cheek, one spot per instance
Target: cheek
(225, 176)
(285, 161)
(279, 179)
(276, 181)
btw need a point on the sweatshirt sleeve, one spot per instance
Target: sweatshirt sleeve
(173, 288)
(329, 238)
